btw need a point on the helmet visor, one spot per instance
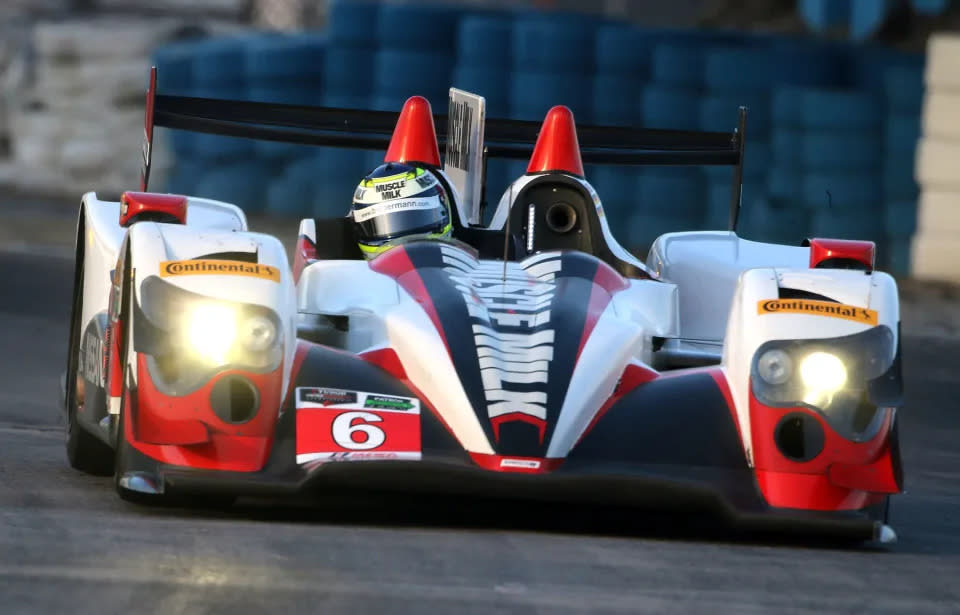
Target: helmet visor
(400, 217)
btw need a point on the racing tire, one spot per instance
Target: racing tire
(85, 452)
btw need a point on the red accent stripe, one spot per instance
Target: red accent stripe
(632, 377)
(396, 263)
(303, 348)
(539, 423)
(387, 360)
(522, 465)
(304, 254)
(606, 282)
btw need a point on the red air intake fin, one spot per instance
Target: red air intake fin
(414, 138)
(557, 149)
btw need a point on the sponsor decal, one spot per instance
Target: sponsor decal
(326, 397)
(218, 267)
(380, 209)
(817, 308)
(510, 319)
(370, 427)
(531, 464)
(426, 181)
(387, 403)
(92, 360)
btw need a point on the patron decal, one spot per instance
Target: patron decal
(818, 308)
(215, 267)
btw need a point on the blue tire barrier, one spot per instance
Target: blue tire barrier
(412, 72)
(904, 87)
(426, 27)
(353, 23)
(858, 192)
(276, 58)
(900, 218)
(623, 50)
(840, 109)
(348, 71)
(902, 134)
(643, 228)
(677, 65)
(669, 107)
(219, 60)
(680, 191)
(616, 99)
(756, 164)
(218, 147)
(184, 177)
(485, 41)
(244, 184)
(842, 151)
(743, 69)
(720, 112)
(292, 192)
(868, 65)
(617, 189)
(896, 252)
(868, 16)
(930, 8)
(786, 146)
(807, 63)
(344, 101)
(864, 225)
(760, 220)
(786, 106)
(547, 44)
(533, 93)
(343, 170)
(388, 102)
(899, 183)
(286, 92)
(785, 184)
(490, 82)
(174, 64)
(822, 15)
(501, 172)
(184, 143)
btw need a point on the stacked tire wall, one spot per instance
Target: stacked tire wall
(831, 133)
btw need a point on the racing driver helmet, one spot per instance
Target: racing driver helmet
(398, 202)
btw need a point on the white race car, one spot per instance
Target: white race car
(531, 358)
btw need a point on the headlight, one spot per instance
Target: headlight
(258, 334)
(775, 366)
(845, 378)
(187, 336)
(211, 329)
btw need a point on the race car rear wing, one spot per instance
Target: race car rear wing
(501, 138)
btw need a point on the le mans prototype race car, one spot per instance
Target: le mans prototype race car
(533, 357)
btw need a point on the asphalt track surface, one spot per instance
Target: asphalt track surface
(69, 545)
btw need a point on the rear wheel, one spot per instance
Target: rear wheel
(85, 452)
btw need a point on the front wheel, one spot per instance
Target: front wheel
(85, 452)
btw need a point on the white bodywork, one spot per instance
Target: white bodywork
(703, 302)
(211, 227)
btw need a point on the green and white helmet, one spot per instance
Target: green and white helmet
(399, 202)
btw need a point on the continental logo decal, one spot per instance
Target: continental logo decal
(817, 308)
(212, 267)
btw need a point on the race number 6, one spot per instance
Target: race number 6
(353, 430)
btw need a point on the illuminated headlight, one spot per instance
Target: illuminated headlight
(187, 336)
(775, 367)
(211, 330)
(844, 378)
(823, 371)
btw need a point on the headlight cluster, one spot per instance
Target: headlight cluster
(186, 336)
(844, 378)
